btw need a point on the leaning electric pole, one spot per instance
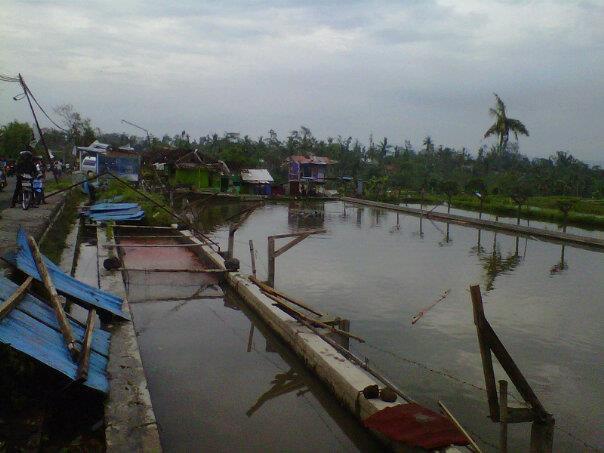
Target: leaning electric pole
(26, 91)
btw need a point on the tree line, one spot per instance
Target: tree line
(383, 166)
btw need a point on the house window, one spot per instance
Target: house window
(306, 171)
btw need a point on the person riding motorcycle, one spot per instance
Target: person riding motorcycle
(24, 165)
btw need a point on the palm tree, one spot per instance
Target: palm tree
(503, 125)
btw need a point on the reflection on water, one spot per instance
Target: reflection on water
(221, 381)
(379, 270)
(560, 265)
(495, 264)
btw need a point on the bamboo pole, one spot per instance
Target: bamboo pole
(451, 417)
(74, 185)
(268, 289)
(82, 373)
(16, 297)
(64, 325)
(353, 358)
(299, 314)
(169, 211)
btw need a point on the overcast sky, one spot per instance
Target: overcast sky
(401, 69)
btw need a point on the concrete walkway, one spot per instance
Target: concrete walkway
(506, 228)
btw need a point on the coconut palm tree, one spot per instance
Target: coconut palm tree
(503, 125)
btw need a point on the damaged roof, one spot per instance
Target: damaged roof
(256, 176)
(311, 159)
(195, 159)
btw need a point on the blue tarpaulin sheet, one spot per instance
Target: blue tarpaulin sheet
(84, 294)
(102, 207)
(32, 328)
(127, 214)
(102, 212)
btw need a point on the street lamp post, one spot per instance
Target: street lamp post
(142, 129)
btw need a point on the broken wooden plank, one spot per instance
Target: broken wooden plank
(299, 314)
(82, 373)
(15, 297)
(64, 325)
(199, 271)
(268, 289)
(300, 232)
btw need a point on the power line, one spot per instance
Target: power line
(42, 109)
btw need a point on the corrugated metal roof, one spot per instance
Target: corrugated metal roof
(318, 160)
(84, 294)
(256, 176)
(31, 327)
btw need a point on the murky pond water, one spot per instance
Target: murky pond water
(219, 379)
(543, 300)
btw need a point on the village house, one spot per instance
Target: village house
(201, 172)
(99, 157)
(255, 182)
(307, 175)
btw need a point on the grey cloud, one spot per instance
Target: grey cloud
(400, 69)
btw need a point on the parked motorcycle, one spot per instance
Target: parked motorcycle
(38, 189)
(26, 191)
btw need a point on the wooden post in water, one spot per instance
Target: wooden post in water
(272, 253)
(344, 324)
(234, 227)
(503, 416)
(271, 261)
(253, 258)
(542, 430)
(485, 353)
(542, 436)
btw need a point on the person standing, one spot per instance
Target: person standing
(24, 165)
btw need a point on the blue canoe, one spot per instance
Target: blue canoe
(85, 295)
(32, 328)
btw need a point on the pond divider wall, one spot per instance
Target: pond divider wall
(130, 423)
(345, 379)
(506, 228)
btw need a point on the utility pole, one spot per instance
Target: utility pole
(50, 160)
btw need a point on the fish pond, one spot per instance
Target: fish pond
(380, 270)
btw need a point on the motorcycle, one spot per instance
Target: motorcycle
(38, 190)
(2, 179)
(26, 191)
